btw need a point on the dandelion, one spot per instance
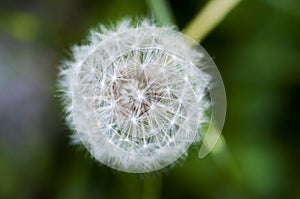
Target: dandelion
(136, 95)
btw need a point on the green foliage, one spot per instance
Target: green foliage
(256, 48)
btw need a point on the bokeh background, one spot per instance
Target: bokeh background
(257, 50)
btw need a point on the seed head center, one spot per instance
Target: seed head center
(135, 91)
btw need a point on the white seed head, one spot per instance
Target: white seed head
(135, 95)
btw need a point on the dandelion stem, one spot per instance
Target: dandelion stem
(152, 187)
(209, 17)
(162, 11)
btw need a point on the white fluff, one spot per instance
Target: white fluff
(135, 95)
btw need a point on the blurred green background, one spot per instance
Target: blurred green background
(257, 50)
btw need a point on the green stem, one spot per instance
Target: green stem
(162, 11)
(152, 187)
(209, 17)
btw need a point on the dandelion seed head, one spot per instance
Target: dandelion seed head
(133, 95)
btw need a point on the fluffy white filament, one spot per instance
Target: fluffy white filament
(135, 95)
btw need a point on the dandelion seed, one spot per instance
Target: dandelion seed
(134, 92)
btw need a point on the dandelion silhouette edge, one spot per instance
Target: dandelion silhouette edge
(136, 95)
